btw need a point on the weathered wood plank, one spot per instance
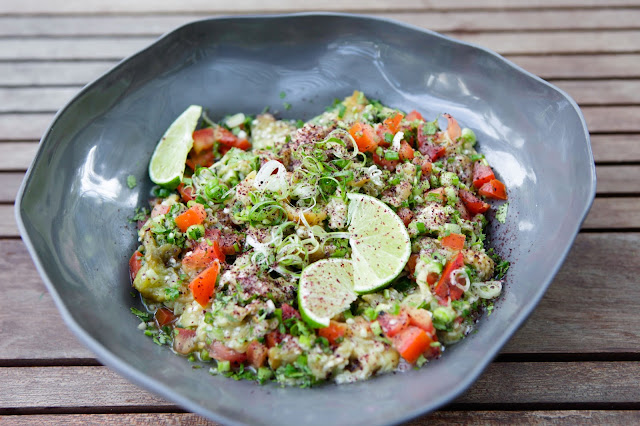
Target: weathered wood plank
(556, 42)
(580, 66)
(257, 6)
(614, 213)
(602, 92)
(17, 155)
(26, 298)
(589, 92)
(8, 226)
(31, 126)
(505, 382)
(552, 42)
(618, 179)
(39, 99)
(24, 127)
(111, 48)
(463, 20)
(560, 324)
(612, 119)
(9, 184)
(498, 418)
(79, 73)
(52, 73)
(616, 148)
(488, 418)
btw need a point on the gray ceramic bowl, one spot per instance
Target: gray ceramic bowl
(73, 206)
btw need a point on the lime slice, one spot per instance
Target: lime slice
(325, 290)
(379, 242)
(166, 167)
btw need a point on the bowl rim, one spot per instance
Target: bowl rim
(151, 384)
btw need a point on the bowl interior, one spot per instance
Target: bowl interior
(74, 205)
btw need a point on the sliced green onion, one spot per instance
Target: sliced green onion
(468, 136)
(391, 155)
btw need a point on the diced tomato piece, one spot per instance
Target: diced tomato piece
(289, 312)
(393, 324)
(405, 214)
(203, 255)
(453, 128)
(425, 165)
(204, 284)
(453, 241)
(228, 242)
(228, 139)
(135, 263)
(195, 215)
(363, 135)
(432, 278)
(432, 351)
(256, 354)
(405, 152)
(421, 318)
(203, 139)
(159, 209)
(274, 338)
(186, 192)
(332, 333)
(411, 343)
(411, 265)
(482, 174)
(393, 123)
(414, 115)
(220, 352)
(385, 164)
(382, 134)
(164, 316)
(473, 204)
(204, 159)
(445, 287)
(494, 189)
(184, 342)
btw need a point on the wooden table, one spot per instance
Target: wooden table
(575, 360)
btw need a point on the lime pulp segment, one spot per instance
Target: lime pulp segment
(166, 167)
(379, 242)
(325, 290)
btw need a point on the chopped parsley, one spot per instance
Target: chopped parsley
(131, 181)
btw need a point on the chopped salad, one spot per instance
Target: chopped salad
(335, 249)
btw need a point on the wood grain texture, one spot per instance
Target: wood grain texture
(28, 316)
(506, 382)
(614, 213)
(564, 320)
(79, 73)
(17, 155)
(616, 148)
(9, 184)
(489, 418)
(589, 92)
(560, 324)
(580, 66)
(255, 6)
(113, 48)
(464, 20)
(31, 126)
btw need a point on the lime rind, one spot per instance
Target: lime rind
(167, 164)
(325, 290)
(379, 241)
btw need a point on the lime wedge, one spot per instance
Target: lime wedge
(379, 242)
(325, 290)
(166, 167)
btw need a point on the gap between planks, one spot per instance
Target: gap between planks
(515, 384)
(443, 417)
